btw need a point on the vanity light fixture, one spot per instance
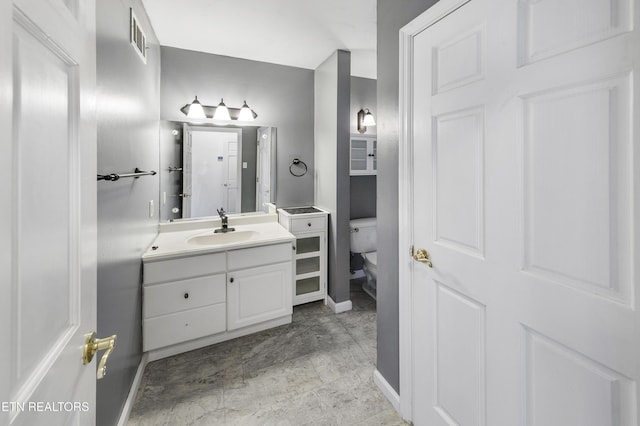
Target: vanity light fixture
(245, 113)
(368, 119)
(365, 119)
(195, 110)
(220, 112)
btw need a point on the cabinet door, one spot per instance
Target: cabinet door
(359, 156)
(372, 154)
(363, 155)
(310, 275)
(259, 294)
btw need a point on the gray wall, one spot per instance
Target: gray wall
(281, 96)
(363, 96)
(332, 105)
(249, 155)
(128, 124)
(363, 188)
(392, 15)
(363, 197)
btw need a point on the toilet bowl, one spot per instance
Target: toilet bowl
(364, 242)
(371, 263)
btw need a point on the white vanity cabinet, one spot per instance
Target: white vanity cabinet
(363, 155)
(310, 230)
(201, 299)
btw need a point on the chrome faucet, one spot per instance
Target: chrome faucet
(225, 222)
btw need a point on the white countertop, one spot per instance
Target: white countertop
(319, 212)
(174, 243)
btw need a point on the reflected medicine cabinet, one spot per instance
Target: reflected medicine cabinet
(363, 155)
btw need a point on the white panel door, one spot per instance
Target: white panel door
(187, 170)
(48, 175)
(263, 166)
(232, 177)
(209, 164)
(523, 118)
(212, 172)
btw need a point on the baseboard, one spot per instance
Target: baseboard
(131, 398)
(387, 390)
(339, 307)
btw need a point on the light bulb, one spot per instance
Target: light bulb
(222, 112)
(195, 110)
(368, 119)
(245, 113)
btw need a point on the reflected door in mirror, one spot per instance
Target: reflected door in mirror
(266, 152)
(211, 171)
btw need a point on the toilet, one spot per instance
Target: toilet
(364, 242)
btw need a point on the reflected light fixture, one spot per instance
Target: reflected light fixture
(245, 113)
(195, 110)
(222, 112)
(365, 119)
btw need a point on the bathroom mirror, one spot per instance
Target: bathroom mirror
(204, 167)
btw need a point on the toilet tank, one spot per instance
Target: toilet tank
(363, 235)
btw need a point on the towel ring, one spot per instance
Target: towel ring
(297, 162)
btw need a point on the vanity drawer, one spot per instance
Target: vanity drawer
(308, 224)
(160, 299)
(183, 326)
(184, 267)
(256, 256)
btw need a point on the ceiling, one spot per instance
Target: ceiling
(299, 33)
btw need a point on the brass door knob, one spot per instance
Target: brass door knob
(422, 256)
(91, 347)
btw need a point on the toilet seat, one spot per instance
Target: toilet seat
(370, 268)
(371, 263)
(371, 257)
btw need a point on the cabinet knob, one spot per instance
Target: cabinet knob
(309, 224)
(293, 247)
(231, 279)
(186, 295)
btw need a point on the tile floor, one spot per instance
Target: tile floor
(315, 371)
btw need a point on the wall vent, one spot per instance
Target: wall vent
(138, 37)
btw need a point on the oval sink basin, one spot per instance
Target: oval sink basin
(218, 239)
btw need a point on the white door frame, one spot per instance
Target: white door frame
(405, 198)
